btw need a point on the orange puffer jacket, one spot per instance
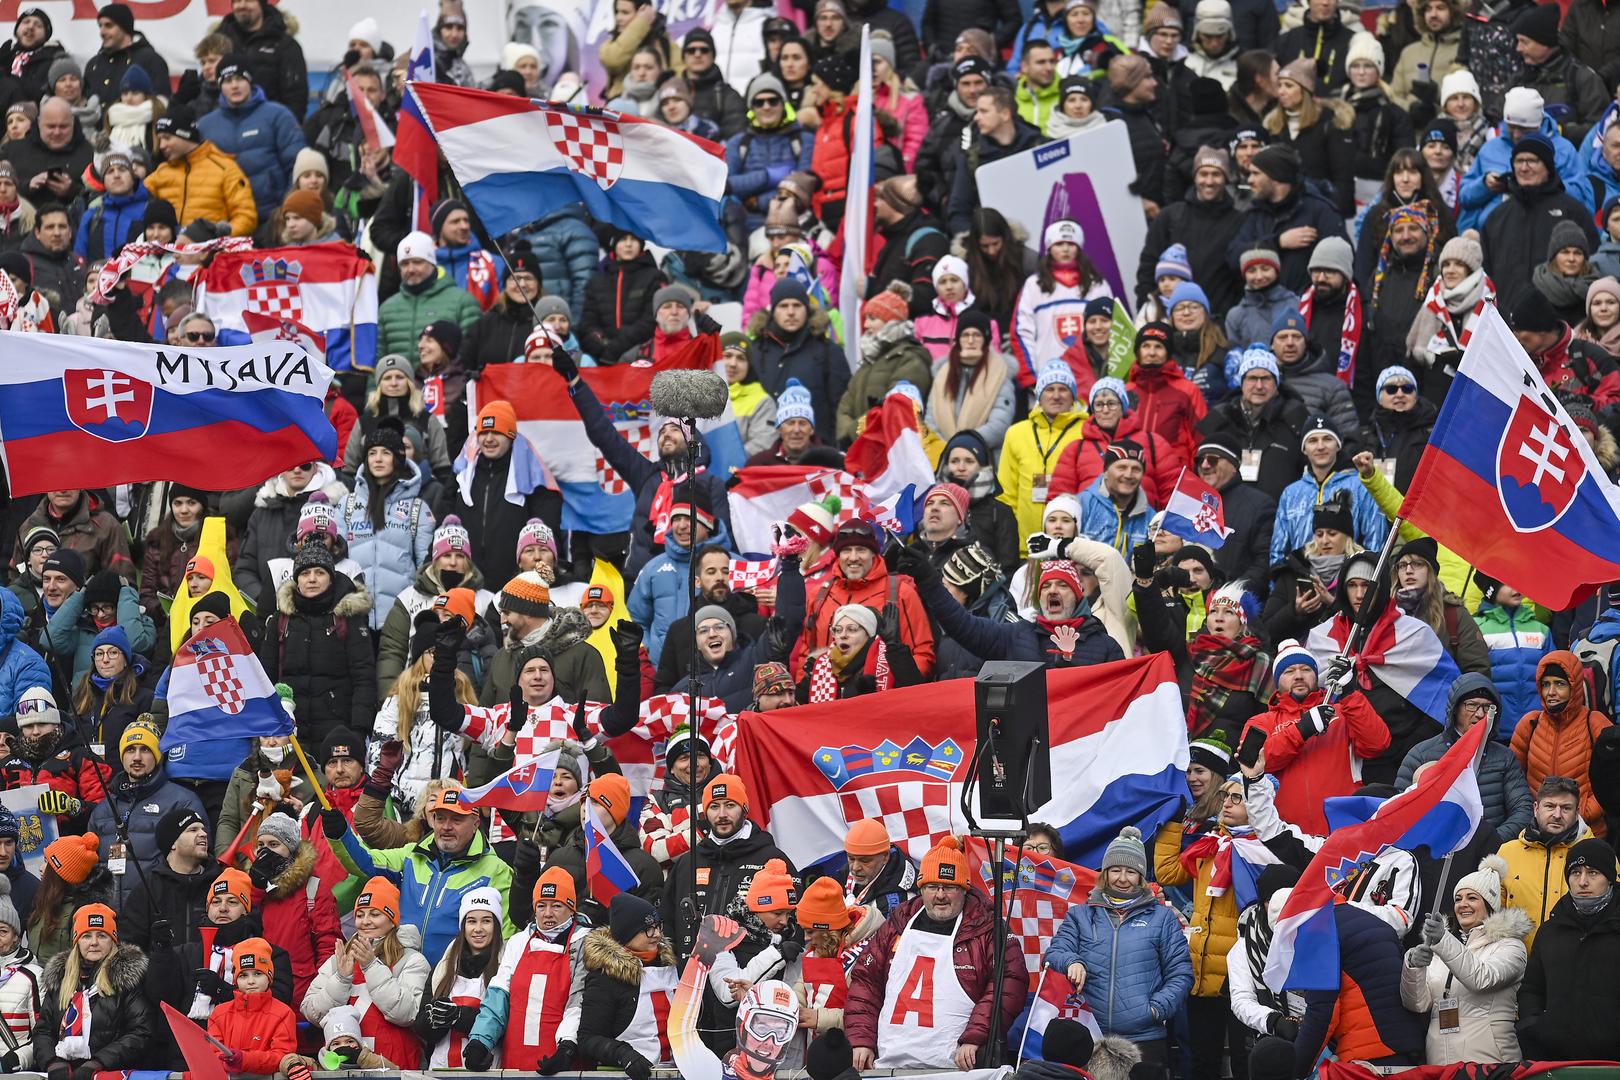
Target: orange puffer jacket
(1560, 744)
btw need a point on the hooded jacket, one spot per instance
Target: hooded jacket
(722, 873)
(1081, 461)
(70, 634)
(1402, 436)
(110, 222)
(271, 527)
(1482, 972)
(300, 915)
(1213, 926)
(207, 183)
(873, 591)
(390, 555)
(612, 993)
(1168, 404)
(1034, 447)
(1524, 221)
(618, 311)
(262, 1029)
(1509, 807)
(809, 355)
(1264, 223)
(1101, 518)
(1138, 964)
(122, 1023)
(1517, 641)
(900, 356)
(180, 899)
(1362, 1019)
(21, 668)
(321, 647)
(1313, 768)
(264, 138)
(1560, 744)
(403, 316)
(1296, 511)
(273, 55)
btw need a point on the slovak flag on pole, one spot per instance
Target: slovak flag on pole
(376, 133)
(518, 158)
(1508, 481)
(888, 455)
(607, 872)
(414, 150)
(1195, 512)
(218, 690)
(524, 788)
(1440, 812)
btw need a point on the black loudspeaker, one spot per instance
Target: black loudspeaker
(1015, 763)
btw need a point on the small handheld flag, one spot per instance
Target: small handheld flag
(1195, 512)
(607, 872)
(524, 788)
(1121, 343)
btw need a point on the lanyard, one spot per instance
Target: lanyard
(1036, 432)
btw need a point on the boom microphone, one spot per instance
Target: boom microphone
(700, 394)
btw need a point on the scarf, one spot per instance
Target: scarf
(1048, 625)
(1256, 932)
(1561, 290)
(1349, 330)
(1222, 668)
(7, 212)
(1609, 339)
(556, 805)
(1591, 905)
(828, 669)
(1326, 567)
(663, 503)
(113, 271)
(1067, 275)
(1426, 218)
(1221, 847)
(74, 1044)
(128, 123)
(1449, 187)
(1118, 903)
(21, 58)
(974, 399)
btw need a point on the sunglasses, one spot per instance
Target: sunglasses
(31, 706)
(198, 336)
(703, 50)
(766, 101)
(1209, 459)
(1400, 388)
(308, 466)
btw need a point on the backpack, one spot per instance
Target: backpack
(1597, 657)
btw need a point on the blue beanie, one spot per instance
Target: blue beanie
(1395, 371)
(1188, 290)
(1288, 320)
(1055, 371)
(1258, 358)
(1104, 305)
(114, 635)
(1289, 653)
(1173, 262)
(794, 403)
(1113, 386)
(135, 78)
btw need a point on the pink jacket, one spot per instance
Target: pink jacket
(912, 114)
(937, 331)
(757, 297)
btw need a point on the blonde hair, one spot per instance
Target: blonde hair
(71, 976)
(408, 694)
(1350, 546)
(1310, 111)
(374, 399)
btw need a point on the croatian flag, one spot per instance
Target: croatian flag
(607, 872)
(766, 494)
(519, 158)
(595, 499)
(888, 454)
(1408, 657)
(218, 690)
(898, 513)
(1119, 740)
(750, 574)
(1195, 512)
(1510, 484)
(1055, 998)
(524, 788)
(1440, 812)
(330, 288)
(88, 412)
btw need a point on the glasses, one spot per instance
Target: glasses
(1400, 388)
(1209, 460)
(34, 706)
(698, 50)
(766, 101)
(1232, 797)
(108, 652)
(197, 337)
(714, 627)
(1481, 708)
(308, 466)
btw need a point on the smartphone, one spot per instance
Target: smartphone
(1254, 741)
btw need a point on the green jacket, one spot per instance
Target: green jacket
(403, 316)
(902, 356)
(1036, 106)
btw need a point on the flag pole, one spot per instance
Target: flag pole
(1445, 864)
(1024, 1039)
(314, 781)
(1359, 629)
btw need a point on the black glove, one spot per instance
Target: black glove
(563, 364)
(916, 565)
(1143, 560)
(526, 859)
(1172, 577)
(634, 1065)
(440, 1012)
(447, 645)
(626, 636)
(87, 1071)
(557, 1062)
(161, 933)
(212, 985)
(1280, 1026)
(466, 1016)
(59, 1070)
(791, 947)
(1315, 720)
(778, 638)
(474, 1054)
(888, 627)
(582, 730)
(519, 717)
(333, 823)
(9, 1062)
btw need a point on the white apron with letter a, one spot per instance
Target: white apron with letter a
(925, 1010)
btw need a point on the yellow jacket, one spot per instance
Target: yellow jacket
(1212, 931)
(1033, 446)
(207, 184)
(1534, 881)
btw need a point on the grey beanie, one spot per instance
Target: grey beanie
(680, 294)
(547, 306)
(715, 611)
(8, 910)
(1332, 253)
(1568, 234)
(569, 759)
(1126, 850)
(764, 81)
(883, 45)
(64, 66)
(394, 362)
(283, 828)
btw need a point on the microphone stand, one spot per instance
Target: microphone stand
(693, 670)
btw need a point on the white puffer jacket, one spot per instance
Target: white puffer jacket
(1484, 971)
(20, 975)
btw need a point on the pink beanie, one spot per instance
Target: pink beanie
(451, 536)
(535, 531)
(317, 516)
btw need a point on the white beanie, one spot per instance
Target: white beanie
(1063, 231)
(341, 1022)
(1487, 881)
(1364, 46)
(951, 264)
(860, 614)
(1066, 503)
(1523, 107)
(1461, 81)
(368, 31)
(1274, 906)
(416, 245)
(513, 51)
(483, 899)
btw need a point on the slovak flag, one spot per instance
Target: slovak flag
(1508, 481)
(1440, 812)
(888, 455)
(1195, 512)
(218, 690)
(524, 788)
(607, 872)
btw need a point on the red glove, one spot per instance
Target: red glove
(232, 1060)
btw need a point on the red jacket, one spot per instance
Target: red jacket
(1081, 462)
(343, 417)
(975, 967)
(1168, 404)
(829, 157)
(1310, 770)
(301, 916)
(823, 599)
(262, 1028)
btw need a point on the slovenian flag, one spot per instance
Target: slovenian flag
(1440, 812)
(607, 872)
(524, 788)
(1195, 512)
(888, 455)
(218, 690)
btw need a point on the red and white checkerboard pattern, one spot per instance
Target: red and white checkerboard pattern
(750, 574)
(220, 683)
(640, 437)
(593, 145)
(1035, 918)
(279, 300)
(835, 482)
(916, 813)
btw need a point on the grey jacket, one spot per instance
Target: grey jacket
(1502, 787)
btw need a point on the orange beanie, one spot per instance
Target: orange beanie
(822, 907)
(944, 865)
(94, 917)
(499, 417)
(725, 786)
(253, 955)
(235, 883)
(867, 837)
(381, 893)
(73, 857)
(772, 888)
(611, 791)
(556, 884)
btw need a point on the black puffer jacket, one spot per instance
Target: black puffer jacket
(727, 870)
(715, 100)
(1567, 999)
(809, 355)
(612, 991)
(121, 1023)
(274, 56)
(105, 70)
(498, 336)
(618, 306)
(1380, 128)
(179, 898)
(1274, 431)
(1327, 43)
(321, 647)
(1402, 436)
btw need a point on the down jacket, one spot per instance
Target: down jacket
(1534, 879)
(975, 946)
(139, 805)
(1517, 641)
(321, 647)
(1507, 800)
(264, 138)
(389, 557)
(263, 1029)
(301, 916)
(1483, 975)
(1138, 967)
(1213, 929)
(207, 183)
(1560, 744)
(21, 668)
(396, 992)
(611, 996)
(121, 1024)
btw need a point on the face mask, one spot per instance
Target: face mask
(451, 578)
(267, 865)
(275, 755)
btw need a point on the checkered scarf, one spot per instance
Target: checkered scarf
(113, 271)
(824, 678)
(1221, 668)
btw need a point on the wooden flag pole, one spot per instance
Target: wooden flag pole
(315, 781)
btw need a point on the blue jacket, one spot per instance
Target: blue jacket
(1101, 520)
(21, 668)
(1502, 788)
(264, 138)
(1250, 321)
(1296, 512)
(758, 160)
(568, 254)
(1605, 628)
(454, 261)
(663, 589)
(391, 558)
(71, 635)
(1138, 967)
(1475, 201)
(109, 223)
(993, 639)
(1517, 641)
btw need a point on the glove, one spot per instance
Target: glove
(212, 985)
(526, 859)
(333, 823)
(626, 636)
(1340, 674)
(518, 718)
(299, 1071)
(888, 627)
(1143, 558)
(1172, 577)
(440, 1012)
(582, 730)
(389, 757)
(161, 933)
(474, 1054)
(1315, 720)
(1278, 1024)
(1434, 928)
(59, 1070)
(232, 1060)
(916, 565)
(563, 363)
(88, 1070)
(9, 1062)
(791, 947)
(58, 802)
(1419, 956)
(634, 1065)
(1041, 546)
(466, 1016)
(778, 638)
(552, 1065)
(447, 645)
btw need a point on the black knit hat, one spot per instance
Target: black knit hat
(1593, 853)
(390, 435)
(1335, 514)
(119, 14)
(341, 743)
(179, 120)
(65, 560)
(175, 822)
(1425, 548)
(234, 65)
(309, 556)
(836, 71)
(830, 1056)
(522, 259)
(1540, 24)
(442, 211)
(1279, 162)
(1067, 1042)
(629, 915)
(160, 212)
(1533, 312)
(104, 588)
(216, 603)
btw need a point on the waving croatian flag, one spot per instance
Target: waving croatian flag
(607, 872)
(218, 690)
(888, 454)
(765, 494)
(1055, 998)
(1440, 812)
(1195, 512)
(330, 289)
(524, 788)
(518, 158)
